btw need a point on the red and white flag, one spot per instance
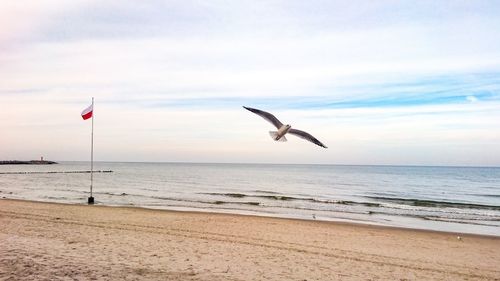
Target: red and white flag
(87, 112)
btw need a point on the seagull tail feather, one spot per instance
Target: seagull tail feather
(274, 135)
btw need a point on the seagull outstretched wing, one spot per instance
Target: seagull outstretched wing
(306, 136)
(266, 115)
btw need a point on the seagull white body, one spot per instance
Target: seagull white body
(283, 129)
(280, 134)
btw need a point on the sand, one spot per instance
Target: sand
(44, 241)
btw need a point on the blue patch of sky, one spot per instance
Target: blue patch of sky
(432, 91)
(304, 102)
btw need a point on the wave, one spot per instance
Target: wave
(235, 195)
(272, 197)
(241, 195)
(116, 194)
(293, 198)
(357, 207)
(281, 197)
(216, 202)
(434, 203)
(489, 195)
(463, 221)
(266, 191)
(244, 203)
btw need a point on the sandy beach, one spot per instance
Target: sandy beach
(45, 241)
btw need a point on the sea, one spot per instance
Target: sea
(452, 199)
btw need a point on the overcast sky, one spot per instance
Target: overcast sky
(379, 82)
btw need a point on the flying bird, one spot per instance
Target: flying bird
(283, 129)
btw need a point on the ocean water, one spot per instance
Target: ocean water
(456, 199)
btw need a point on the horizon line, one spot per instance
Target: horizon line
(297, 164)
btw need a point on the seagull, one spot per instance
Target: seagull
(283, 129)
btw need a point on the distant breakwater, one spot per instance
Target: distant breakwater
(55, 172)
(31, 162)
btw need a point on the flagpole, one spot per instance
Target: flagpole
(91, 198)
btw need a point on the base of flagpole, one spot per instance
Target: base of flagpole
(91, 201)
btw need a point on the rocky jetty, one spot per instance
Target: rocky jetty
(30, 162)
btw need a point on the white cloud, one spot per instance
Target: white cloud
(286, 66)
(471, 99)
(24, 19)
(270, 51)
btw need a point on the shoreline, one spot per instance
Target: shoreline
(345, 222)
(57, 240)
(249, 213)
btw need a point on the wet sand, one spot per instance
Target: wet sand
(45, 241)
